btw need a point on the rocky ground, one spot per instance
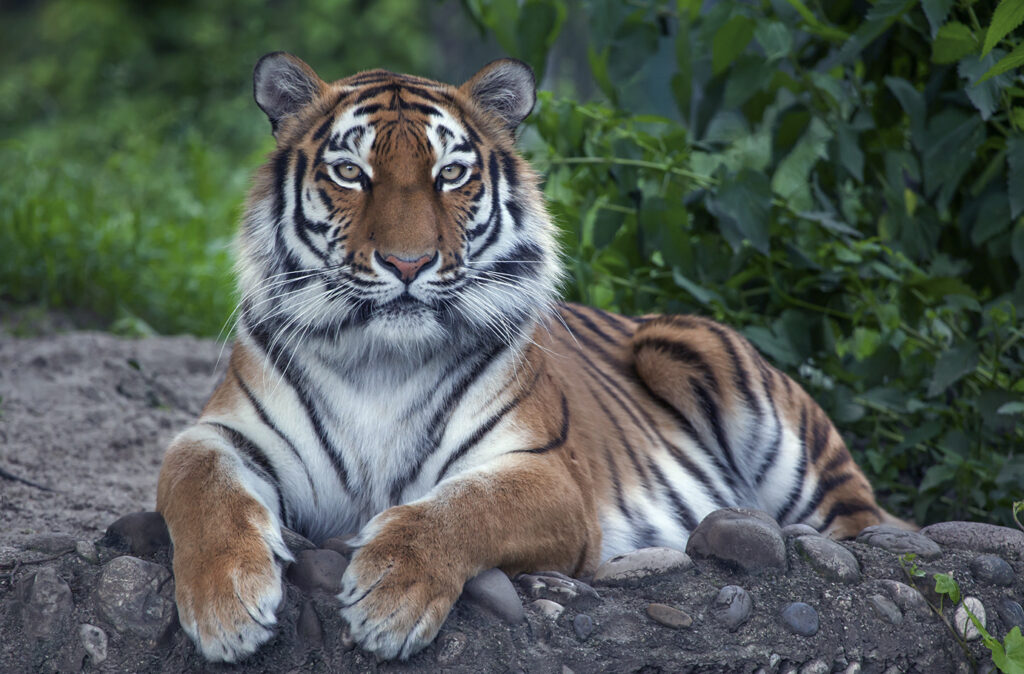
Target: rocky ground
(84, 418)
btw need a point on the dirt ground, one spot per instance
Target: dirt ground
(84, 420)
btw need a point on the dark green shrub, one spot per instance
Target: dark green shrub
(843, 182)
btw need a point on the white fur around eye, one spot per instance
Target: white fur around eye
(348, 174)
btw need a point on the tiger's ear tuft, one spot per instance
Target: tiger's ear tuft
(505, 88)
(282, 85)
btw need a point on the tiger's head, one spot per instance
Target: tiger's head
(394, 211)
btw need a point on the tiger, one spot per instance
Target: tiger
(403, 370)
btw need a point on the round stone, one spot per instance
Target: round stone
(816, 666)
(900, 541)
(904, 596)
(492, 590)
(94, 641)
(317, 570)
(142, 533)
(964, 625)
(746, 539)
(51, 544)
(450, 646)
(583, 625)
(992, 570)
(732, 606)
(799, 529)
(979, 537)
(828, 558)
(340, 545)
(129, 596)
(87, 551)
(43, 604)
(1011, 614)
(886, 609)
(642, 563)
(668, 616)
(801, 619)
(549, 609)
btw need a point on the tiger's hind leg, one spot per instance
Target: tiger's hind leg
(779, 450)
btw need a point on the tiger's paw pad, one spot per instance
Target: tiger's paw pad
(394, 605)
(229, 613)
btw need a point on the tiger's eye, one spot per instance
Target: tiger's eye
(452, 172)
(348, 171)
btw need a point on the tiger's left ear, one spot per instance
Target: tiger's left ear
(506, 88)
(282, 85)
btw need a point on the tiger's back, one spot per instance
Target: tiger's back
(402, 369)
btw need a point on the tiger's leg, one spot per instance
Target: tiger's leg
(525, 512)
(227, 545)
(757, 424)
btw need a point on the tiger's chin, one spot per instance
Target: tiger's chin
(405, 327)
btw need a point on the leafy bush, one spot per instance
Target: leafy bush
(128, 135)
(842, 182)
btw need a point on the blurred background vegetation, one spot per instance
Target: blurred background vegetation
(841, 180)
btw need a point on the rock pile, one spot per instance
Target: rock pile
(746, 596)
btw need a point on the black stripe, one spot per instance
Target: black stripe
(680, 456)
(494, 219)
(300, 225)
(819, 436)
(508, 163)
(439, 422)
(265, 418)
(843, 509)
(823, 488)
(590, 324)
(485, 428)
(609, 319)
(686, 518)
(773, 451)
(794, 493)
(257, 460)
(323, 128)
(630, 452)
(558, 440)
(263, 337)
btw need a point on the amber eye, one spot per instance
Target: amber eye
(348, 171)
(452, 172)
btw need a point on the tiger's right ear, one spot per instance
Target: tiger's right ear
(282, 85)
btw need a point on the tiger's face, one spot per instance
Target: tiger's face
(394, 210)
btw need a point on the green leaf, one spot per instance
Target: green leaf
(944, 584)
(850, 155)
(730, 41)
(1008, 15)
(954, 138)
(936, 11)
(938, 475)
(774, 38)
(952, 366)
(1015, 182)
(537, 26)
(791, 180)
(912, 102)
(953, 42)
(704, 296)
(984, 95)
(1011, 61)
(1011, 408)
(815, 26)
(1017, 245)
(1011, 660)
(742, 205)
(880, 18)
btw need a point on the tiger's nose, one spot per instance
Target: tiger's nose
(405, 269)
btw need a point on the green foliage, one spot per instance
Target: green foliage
(1007, 655)
(128, 137)
(839, 181)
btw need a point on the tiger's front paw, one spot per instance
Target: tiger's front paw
(227, 599)
(397, 591)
